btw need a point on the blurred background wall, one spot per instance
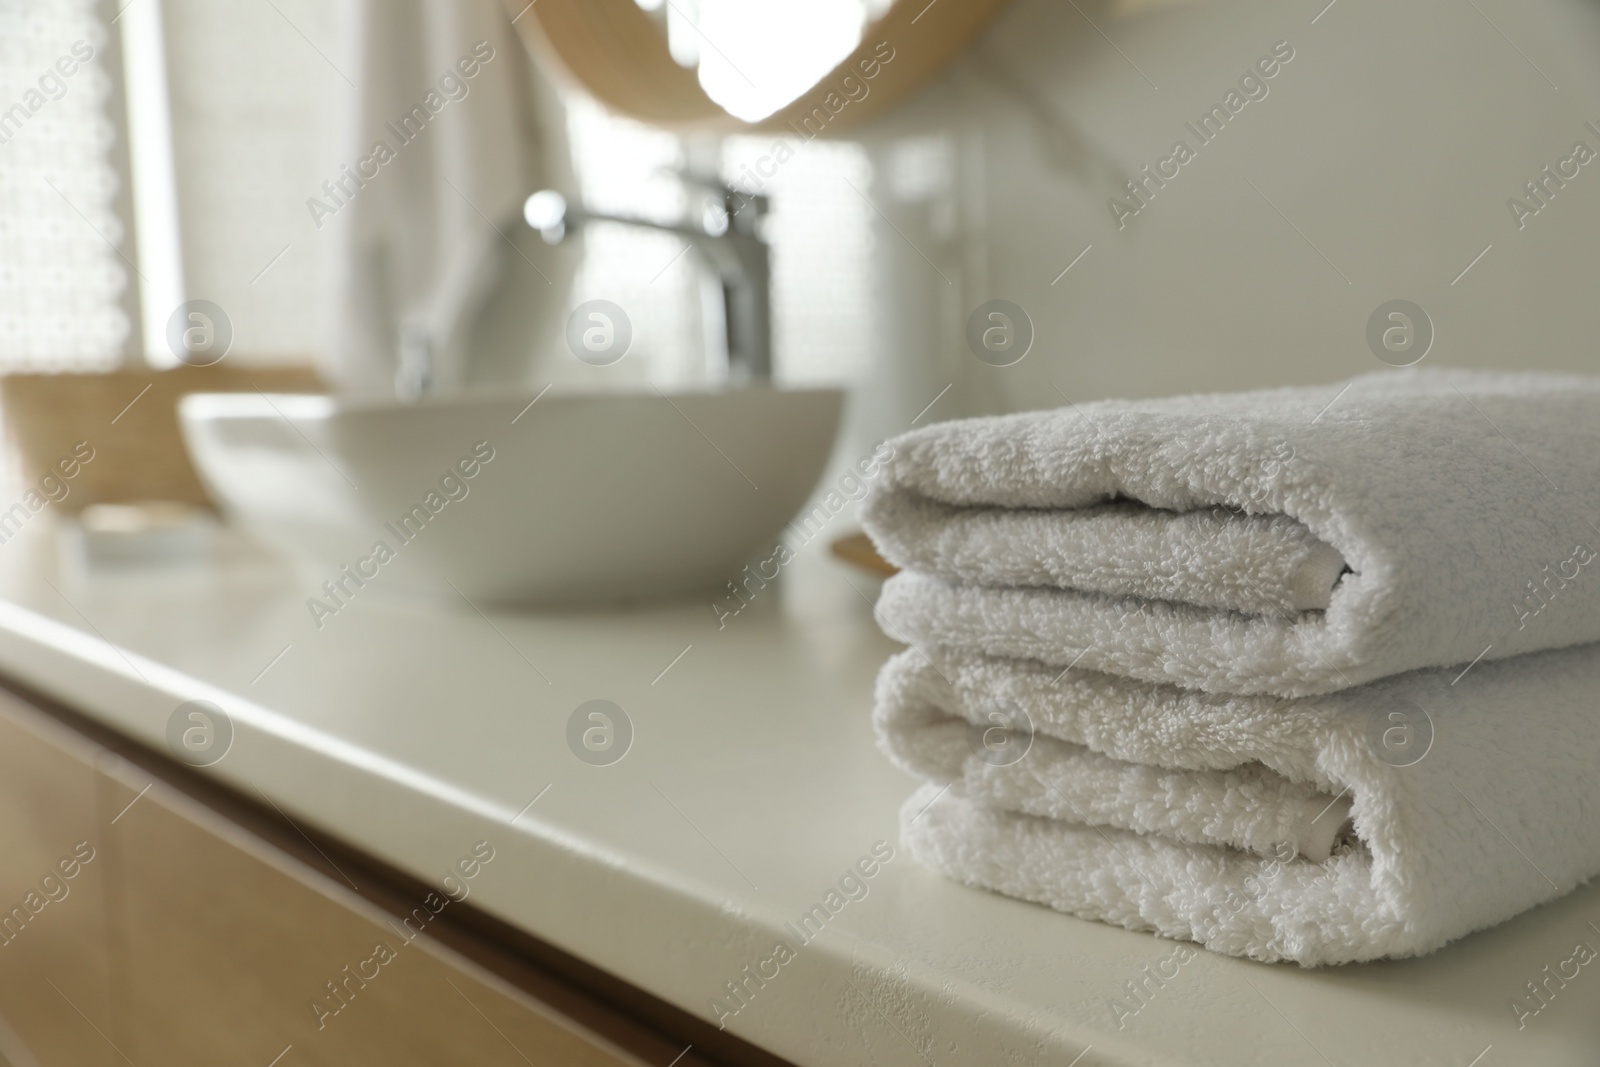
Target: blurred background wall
(1377, 166)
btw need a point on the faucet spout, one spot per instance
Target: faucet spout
(736, 253)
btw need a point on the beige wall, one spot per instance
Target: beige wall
(1391, 141)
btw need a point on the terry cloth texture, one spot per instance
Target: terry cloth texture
(1194, 540)
(1300, 674)
(1274, 829)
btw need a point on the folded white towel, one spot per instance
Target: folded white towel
(1196, 540)
(1092, 758)
(1275, 829)
(1213, 558)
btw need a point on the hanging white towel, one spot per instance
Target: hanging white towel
(448, 133)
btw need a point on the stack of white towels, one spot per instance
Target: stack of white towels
(1297, 674)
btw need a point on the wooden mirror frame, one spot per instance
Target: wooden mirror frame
(618, 53)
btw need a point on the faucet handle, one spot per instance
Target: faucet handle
(747, 211)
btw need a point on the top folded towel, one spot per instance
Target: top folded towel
(1292, 541)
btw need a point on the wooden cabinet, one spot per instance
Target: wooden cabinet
(155, 926)
(55, 973)
(234, 952)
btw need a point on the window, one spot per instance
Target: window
(63, 280)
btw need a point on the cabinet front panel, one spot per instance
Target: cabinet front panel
(54, 973)
(238, 953)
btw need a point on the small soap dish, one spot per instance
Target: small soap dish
(141, 534)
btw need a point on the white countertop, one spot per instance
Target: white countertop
(413, 730)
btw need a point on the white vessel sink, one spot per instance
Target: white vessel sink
(576, 498)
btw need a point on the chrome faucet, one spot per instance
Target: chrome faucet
(730, 244)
